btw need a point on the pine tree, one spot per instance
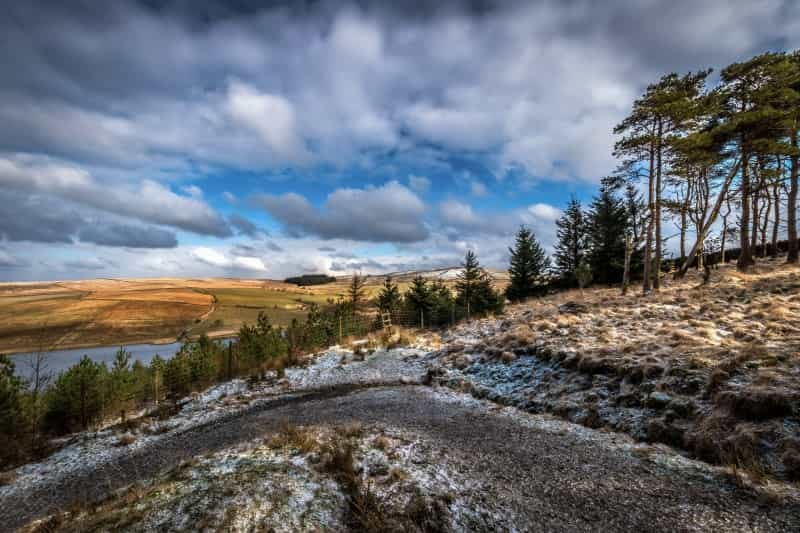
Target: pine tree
(607, 225)
(528, 266)
(418, 301)
(10, 410)
(571, 245)
(474, 291)
(389, 297)
(442, 304)
(355, 291)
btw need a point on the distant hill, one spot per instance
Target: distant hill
(444, 274)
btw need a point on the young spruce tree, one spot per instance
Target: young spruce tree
(571, 245)
(389, 297)
(607, 225)
(474, 291)
(528, 266)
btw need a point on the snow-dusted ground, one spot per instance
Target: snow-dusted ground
(86, 450)
(711, 369)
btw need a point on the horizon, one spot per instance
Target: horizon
(223, 139)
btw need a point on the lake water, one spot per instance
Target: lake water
(59, 360)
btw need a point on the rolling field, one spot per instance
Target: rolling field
(110, 312)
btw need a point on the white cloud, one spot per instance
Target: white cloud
(456, 213)
(211, 257)
(250, 263)
(545, 212)
(270, 116)
(391, 212)
(147, 200)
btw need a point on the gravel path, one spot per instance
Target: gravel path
(553, 476)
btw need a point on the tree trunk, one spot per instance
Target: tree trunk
(776, 206)
(746, 255)
(711, 219)
(657, 269)
(754, 218)
(766, 209)
(684, 224)
(648, 247)
(723, 239)
(627, 268)
(791, 212)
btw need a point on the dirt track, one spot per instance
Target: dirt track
(550, 479)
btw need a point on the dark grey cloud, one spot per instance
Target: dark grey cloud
(357, 266)
(42, 219)
(326, 249)
(91, 263)
(36, 219)
(244, 226)
(538, 83)
(387, 213)
(274, 247)
(147, 200)
(122, 235)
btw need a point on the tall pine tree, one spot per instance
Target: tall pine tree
(528, 266)
(571, 245)
(607, 225)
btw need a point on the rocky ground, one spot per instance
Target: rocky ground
(714, 370)
(421, 456)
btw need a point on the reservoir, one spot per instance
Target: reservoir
(60, 360)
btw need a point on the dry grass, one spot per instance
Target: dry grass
(726, 355)
(301, 438)
(6, 478)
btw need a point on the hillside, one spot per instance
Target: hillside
(109, 312)
(712, 369)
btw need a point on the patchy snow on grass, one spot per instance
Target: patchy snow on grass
(85, 450)
(712, 369)
(283, 485)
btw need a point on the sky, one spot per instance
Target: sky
(267, 139)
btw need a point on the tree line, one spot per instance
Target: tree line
(719, 170)
(723, 156)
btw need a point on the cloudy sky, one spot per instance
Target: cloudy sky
(207, 138)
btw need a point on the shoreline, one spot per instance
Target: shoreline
(162, 341)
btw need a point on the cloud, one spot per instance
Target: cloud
(229, 197)
(113, 234)
(478, 189)
(270, 116)
(10, 261)
(243, 225)
(545, 212)
(419, 184)
(193, 190)
(37, 219)
(148, 200)
(211, 257)
(250, 263)
(538, 84)
(43, 219)
(461, 222)
(457, 213)
(390, 212)
(218, 259)
(90, 263)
